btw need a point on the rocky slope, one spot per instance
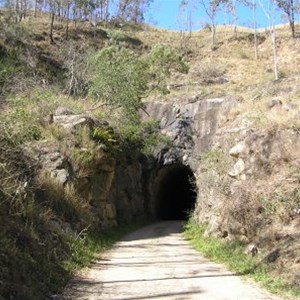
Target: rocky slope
(247, 179)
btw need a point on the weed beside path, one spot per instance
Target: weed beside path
(232, 254)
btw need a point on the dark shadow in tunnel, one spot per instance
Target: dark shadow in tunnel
(175, 192)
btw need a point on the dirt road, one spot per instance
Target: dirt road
(157, 263)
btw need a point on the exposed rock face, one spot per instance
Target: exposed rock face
(230, 161)
(191, 127)
(261, 170)
(70, 122)
(47, 156)
(60, 111)
(127, 191)
(238, 149)
(247, 179)
(237, 169)
(93, 186)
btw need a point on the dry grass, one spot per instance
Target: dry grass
(241, 74)
(246, 77)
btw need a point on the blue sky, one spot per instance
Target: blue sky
(165, 14)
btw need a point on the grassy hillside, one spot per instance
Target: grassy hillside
(232, 70)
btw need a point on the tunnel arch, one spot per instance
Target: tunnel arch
(175, 192)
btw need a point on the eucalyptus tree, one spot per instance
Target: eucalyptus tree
(185, 12)
(231, 8)
(103, 6)
(211, 8)
(269, 12)
(133, 10)
(289, 8)
(254, 7)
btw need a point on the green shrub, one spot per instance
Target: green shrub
(104, 135)
(165, 59)
(119, 38)
(118, 78)
(19, 126)
(232, 254)
(121, 78)
(142, 136)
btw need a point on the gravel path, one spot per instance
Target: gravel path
(156, 262)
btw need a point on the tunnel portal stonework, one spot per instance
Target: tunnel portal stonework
(121, 190)
(191, 126)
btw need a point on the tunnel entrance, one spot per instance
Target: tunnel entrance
(175, 192)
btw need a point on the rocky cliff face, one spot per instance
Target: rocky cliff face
(106, 189)
(191, 126)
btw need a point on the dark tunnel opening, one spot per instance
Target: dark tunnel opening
(175, 192)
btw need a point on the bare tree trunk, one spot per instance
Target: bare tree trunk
(255, 30)
(213, 34)
(75, 15)
(270, 15)
(16, 11)
(292, 25)
(292, 19)
(51, 27)
(35, 8)
(234, 17)
(67, 26)
(106, 11)
(190, 21)
(274, 45)
(101, 10)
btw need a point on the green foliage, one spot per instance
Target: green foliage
(104, 135)
(119, 38)
(121, 78)
(212, 156)
(19, 126)
(38, 261)
(233, 256)
(142, 136)
(165, 59)
(161, 61)
(118, 78)
(13, 71)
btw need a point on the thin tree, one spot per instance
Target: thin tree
(270, 13)
(234, 14)
(68, 4)
(254, 28)
(52, 5)
(288, 7)
(211, 8)
(133, 10)
(185, 11)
